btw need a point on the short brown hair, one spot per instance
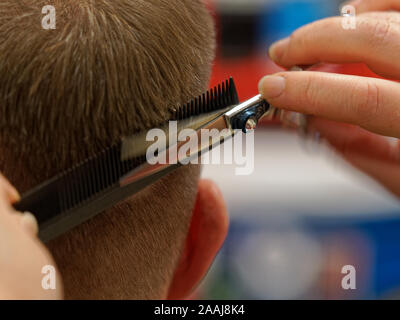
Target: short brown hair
(109, 69)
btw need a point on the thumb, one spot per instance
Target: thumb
(11, 194)
(367, 102)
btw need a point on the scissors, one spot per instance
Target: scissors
(96, 184)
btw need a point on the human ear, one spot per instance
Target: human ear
(207, 232)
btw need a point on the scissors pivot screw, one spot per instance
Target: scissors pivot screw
(251, 124)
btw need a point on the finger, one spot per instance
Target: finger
(352, 140)
(10, 192)
(393, 17)
(373, 41)
(374, 5)
(25, 220)
(372, 154)
(373, 104)
(29, 223)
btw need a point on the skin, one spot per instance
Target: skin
(21, 261)
(23, 256)
(353, 114)
(207, 233)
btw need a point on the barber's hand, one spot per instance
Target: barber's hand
(22, 255)
(352, 113)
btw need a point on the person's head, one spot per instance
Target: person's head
(111, 69)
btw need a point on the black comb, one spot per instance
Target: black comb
(220, 97)
(92, 186)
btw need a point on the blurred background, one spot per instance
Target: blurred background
(304, 213)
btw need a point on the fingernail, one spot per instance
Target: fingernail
(277, 49)
(272, 86)
(29, 222)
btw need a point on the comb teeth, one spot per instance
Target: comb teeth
(93, 176)
(217, 98)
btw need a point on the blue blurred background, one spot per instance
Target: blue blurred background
(304, 213)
